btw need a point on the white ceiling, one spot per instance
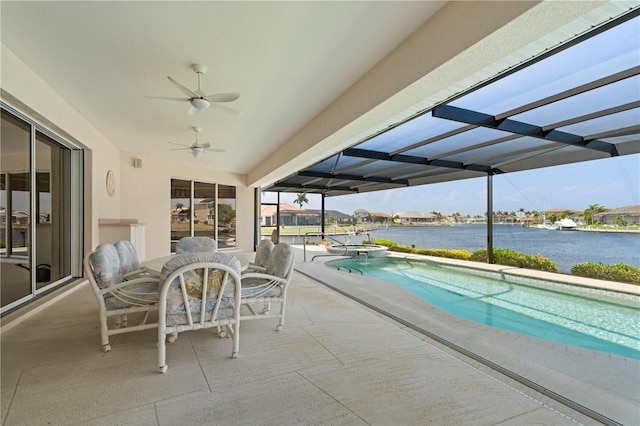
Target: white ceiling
(288, 60)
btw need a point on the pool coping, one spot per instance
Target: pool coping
(602, 383)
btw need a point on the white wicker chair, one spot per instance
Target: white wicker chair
(117, 297)
(269, 286)
(190, 281)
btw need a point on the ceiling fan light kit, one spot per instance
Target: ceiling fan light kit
(200, 103)
(198, 100)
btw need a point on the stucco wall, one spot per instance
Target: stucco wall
(146, 197)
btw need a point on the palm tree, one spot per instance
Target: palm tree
(301, 198)
(593, 210)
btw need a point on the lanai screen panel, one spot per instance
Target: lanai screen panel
(579, 103)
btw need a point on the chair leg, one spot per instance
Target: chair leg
(281, 316)
(162, 354)
(104, 333)
(235, 329)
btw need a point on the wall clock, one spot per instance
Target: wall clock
(111, 183)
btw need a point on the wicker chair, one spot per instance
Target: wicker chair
(118, 297)
(191, 281)
(269, 286)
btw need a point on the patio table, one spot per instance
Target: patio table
(154, 266)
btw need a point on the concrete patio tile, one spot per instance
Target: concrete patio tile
(336, 313)
(283, 399)
(360, 341)
(264, 353)
(74, 392)
(424, 386)
(144, 415)
(8, 384)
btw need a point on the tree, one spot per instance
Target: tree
(301, 198)
(566, 213)
(179, 206)
(226, 214)
(593, 210)
(620, 221)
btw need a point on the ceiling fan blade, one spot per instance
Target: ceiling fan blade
(223, 97)
(170, 99)
(180, 144)
(184, 89)
(201, 145)
(226, 109)
(215, 150)
(193, 110)
(179, 149)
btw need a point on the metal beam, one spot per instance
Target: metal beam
(412, 159)
(524, 129)
(313, 187)
(359, 178)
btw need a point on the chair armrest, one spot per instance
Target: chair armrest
(263, 276)
(125, 284)
(253, 268)
(135, 273)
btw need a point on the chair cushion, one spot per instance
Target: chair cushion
(196, 245)
(176, 310)
(263, 252)
(128, 256)
(106, 265)
(280, 260)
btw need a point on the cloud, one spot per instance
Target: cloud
(568, 189)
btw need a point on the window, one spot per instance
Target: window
(204, 210)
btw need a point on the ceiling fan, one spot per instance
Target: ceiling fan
(197, 99)
(197, 149)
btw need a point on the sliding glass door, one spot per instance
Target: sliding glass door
(15, 146)
(40, 218)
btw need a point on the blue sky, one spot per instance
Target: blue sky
(611, 182)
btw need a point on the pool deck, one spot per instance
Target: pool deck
(608, 385)
(337, 361)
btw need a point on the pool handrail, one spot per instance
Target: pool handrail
(325, 236)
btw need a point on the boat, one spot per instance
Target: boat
(546, 226)
(565, 225)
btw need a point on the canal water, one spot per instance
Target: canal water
(564, 248)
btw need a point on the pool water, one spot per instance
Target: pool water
(600, 320)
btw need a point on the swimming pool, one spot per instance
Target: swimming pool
(589, 318)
